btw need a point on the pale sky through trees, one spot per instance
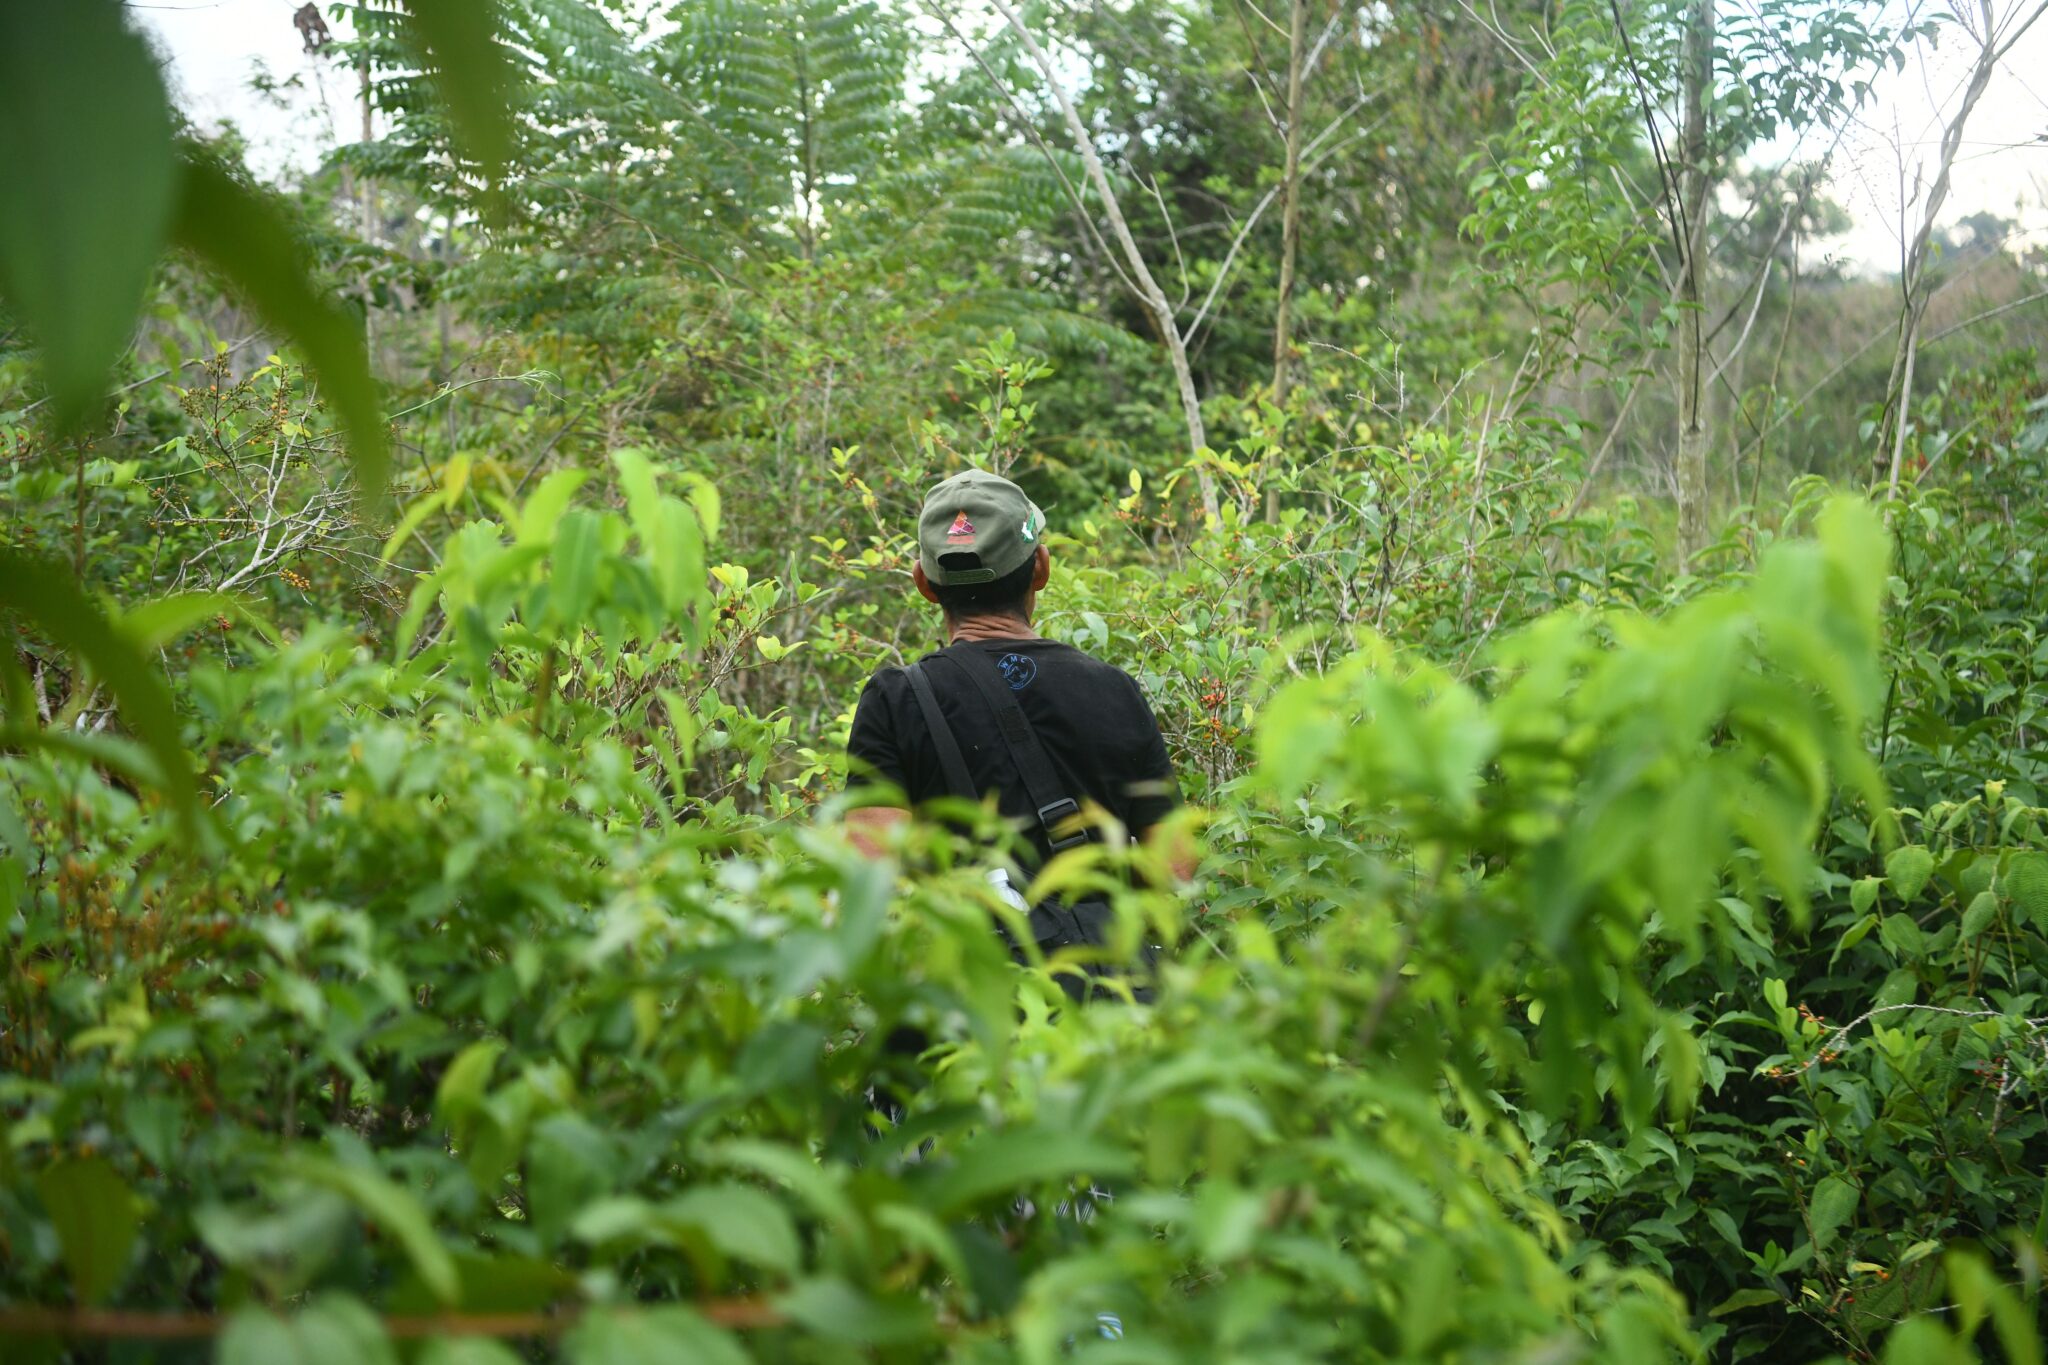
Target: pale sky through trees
(214, 47)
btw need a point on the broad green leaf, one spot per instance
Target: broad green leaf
(1831, 1207)
(741, 1221)
(50, 599)
(1852, 936)
(1745, 1298)
(704, 500)
(671, 1335)
(462, 1086)
(1012, 1158)
(1979, 1294)
(572, 587)
(333, 1329)
(96, 1223)
(810, 1182)
(1923, 1341)
(2026, 883)
(255, 1336)
(1983, 910)
(392, 1208)
(837, 1311)
(467, 1351)
(1907, 868)
(569, 1163)
(1903, 937)
(156, 623)
(544, 507)
(86, 178)
(245, 239)
(283, 1248)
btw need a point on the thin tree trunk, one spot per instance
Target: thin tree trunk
(1149, 292)
(1694, 431)
(1898, 392)
(369, 217)
(1290, 204)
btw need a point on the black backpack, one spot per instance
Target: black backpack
(1053, 924)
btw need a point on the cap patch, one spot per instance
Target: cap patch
(961, 532)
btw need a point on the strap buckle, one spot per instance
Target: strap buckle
(1050, 816)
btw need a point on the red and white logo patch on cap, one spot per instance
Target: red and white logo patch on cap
(961, 532)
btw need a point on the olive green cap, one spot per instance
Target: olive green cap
(976, 527)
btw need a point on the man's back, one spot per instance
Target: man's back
(1090, 717)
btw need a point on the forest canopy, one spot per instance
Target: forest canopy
(1599, 639)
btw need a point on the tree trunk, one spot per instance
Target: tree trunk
(1898, 389)
(1695, 192)
(1147, 288)
(1290, 203)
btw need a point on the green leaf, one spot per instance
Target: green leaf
(1903, 937)
(1978, 1293)
(50, 599)
(156, 623)
(331, 1330)
(738, 1220)
(2026, 883)
(651, 1336)
(86, 180)
(742, 1222)
(1015, 1157)
(245, 239)
(572, 587)
(1726, 1226)
(461, 1092)
(284, 1249)
(467, 1351)
(1923, 1341)
(1854, 935)
(96, 1223)
(1744, 1298)
(457, 40)
(837, 1311)
(396, 1211)
(810, 1182)
(1983, 910)
(1907, 868)
(1863, 894)
(1832, 1206)
(256, 1337)
(537, 520)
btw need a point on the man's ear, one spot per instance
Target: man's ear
(1042, 570)
(924, 584)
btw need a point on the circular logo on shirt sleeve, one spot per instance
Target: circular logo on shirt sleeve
(1018, 670)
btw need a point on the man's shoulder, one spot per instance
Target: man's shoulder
(1016, 659)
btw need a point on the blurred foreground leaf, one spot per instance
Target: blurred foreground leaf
(245, 239)
(46, 595)
(457, 41)
(86, 179)
(94, 1215)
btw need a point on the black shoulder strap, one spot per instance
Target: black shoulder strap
(950, 761)
(1054, 808)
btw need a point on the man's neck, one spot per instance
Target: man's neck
(970, 628)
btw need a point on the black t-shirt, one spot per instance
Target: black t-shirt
(1090, 717)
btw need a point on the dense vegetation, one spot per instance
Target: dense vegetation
(431, 631)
